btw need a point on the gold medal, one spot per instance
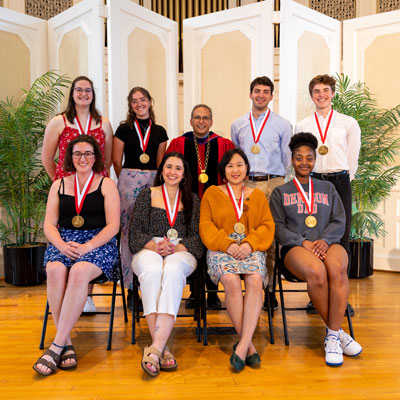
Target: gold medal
(311, 221)
(323, 149)
(255, 149)
(78, 221)
(203, 177)
(239, 228)
(144, 158)
(172, 234)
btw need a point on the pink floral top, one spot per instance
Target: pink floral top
(67, 135)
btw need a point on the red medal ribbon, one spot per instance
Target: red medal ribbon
(88, 125)
(237, 207)
(256, 139)
(323, 137)
(143, 141)
(79, 203)
(309, 203)
(174, 211)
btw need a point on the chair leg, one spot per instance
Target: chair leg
(204, 310)
(123, 293)
(133, 304)
(271, 329)
(45, 318)
(285, 329)
(110, 330)
(349, 321)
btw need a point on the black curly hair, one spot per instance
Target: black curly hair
(303, 139)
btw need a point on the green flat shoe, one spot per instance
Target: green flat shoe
(253, 359)
(237, 363)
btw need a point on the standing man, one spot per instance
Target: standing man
(203, 150)
(264, 137)
(339, 142)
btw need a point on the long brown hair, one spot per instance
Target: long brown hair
(70, 111)
(185, 184)
(131, 115)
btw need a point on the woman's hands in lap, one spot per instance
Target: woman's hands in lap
(240, 252)
(75, 250)
(318, 248)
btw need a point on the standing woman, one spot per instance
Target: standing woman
(82, 219)
(310, 221)
(164, 236)
(237, 228)
(80, 117)
(142, 143)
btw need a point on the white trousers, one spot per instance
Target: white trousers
(162, 279)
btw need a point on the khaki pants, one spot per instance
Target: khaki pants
(267, 187)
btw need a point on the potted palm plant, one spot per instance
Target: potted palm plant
(24, 183)
(376, 173)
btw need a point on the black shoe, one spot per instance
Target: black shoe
(129, 301)
(272, 300)
(350, 310)
(310, 309)
(189, 303)
(213, 302)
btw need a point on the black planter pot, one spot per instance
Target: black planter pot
(23, 266)
(362, 258)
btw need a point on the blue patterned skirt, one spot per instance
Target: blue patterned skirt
(220, 263)
(105, 257)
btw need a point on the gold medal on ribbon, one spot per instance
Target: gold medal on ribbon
(311, 221)
(172, 234)
(323, 149)
(144, 158)
(239, 228)
(255, 149)
(203, 177)
(78, 221)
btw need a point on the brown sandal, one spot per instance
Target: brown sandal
(146, 359)
(52, 365)
(163, 359)
(71, 356)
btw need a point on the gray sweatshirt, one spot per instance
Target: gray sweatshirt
(289, 213)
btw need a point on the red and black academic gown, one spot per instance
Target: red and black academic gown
(218, 146)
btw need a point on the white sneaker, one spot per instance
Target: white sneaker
(349, 346)
(89, 306)
(333, 351)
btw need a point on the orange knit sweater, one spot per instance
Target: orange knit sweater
(217, 217)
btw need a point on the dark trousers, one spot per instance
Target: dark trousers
(343, 187)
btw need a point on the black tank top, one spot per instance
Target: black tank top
(92, 210)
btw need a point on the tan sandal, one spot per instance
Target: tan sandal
(164, 358)
(71, 356)
(52, 365)
(147, 359)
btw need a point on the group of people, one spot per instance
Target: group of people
(203, 191)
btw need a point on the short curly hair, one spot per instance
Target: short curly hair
(68, 164)
(303, 139)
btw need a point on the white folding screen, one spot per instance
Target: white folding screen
(309, 45)
(76, 44)
(222, 53)
(142, 51)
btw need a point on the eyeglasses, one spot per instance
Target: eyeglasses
(87, 154)
(81, 90)
(199, 118)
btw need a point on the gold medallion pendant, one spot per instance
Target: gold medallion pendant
(323, 150)
(172, 234)
(78, 221)
(203, 177)
(255, 149)
(311, 221)
(144, 158)
(239, 228)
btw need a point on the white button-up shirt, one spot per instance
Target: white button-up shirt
(343, 140)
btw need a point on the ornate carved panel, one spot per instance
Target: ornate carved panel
(339, 9)
(389, 5)
(46, 9)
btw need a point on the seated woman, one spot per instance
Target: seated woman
(310, 220)
(164, 238)
(82, 219)
(236, 226)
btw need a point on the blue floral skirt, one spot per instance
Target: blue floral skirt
(220, 263)
(105, 257)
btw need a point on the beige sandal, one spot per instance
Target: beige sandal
(167, 355)
(147, 359)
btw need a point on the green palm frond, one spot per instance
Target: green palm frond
(24, 185)
(376, 174)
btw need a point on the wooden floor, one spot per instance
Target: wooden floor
(297, 371)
